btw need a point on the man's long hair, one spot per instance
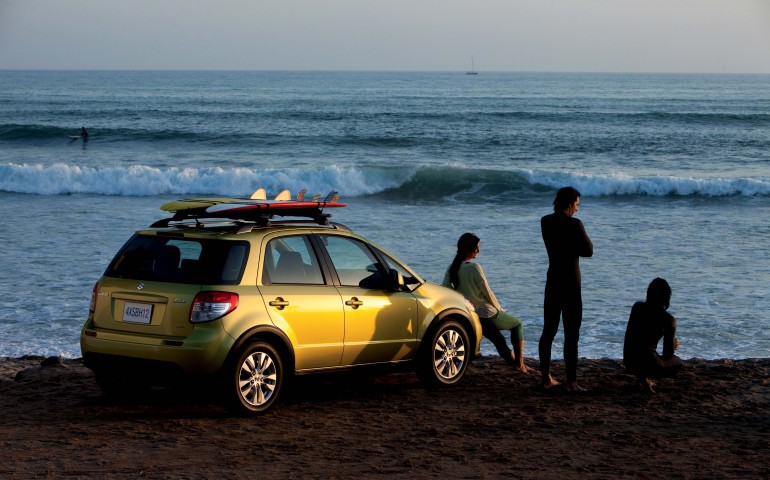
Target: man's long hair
(659, 293)
(565, 197)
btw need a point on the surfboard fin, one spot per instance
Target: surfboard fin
(259, 195)
(332, 197)
(301, 195)
(284, 195)
(316, 197)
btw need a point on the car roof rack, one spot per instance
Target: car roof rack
(262, 218)
(255, 211)
(249, 227)
(240, 226)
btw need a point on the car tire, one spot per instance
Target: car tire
(445, 358)
(254, 380)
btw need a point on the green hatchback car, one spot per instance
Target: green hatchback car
(250, 304)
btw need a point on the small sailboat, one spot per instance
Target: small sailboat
(472, 72)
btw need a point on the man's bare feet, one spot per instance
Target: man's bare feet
(550, 382)
(574, 387)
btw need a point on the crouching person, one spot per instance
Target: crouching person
(648, 323)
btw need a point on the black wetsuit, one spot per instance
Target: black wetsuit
(565, 240)
(646, 326)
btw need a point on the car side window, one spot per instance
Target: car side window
(291, 260)
(355, 264)
(394, 265)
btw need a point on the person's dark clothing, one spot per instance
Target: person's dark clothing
(567, 305)
(565, 241)
(646, 326)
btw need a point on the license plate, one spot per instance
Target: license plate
(137, 312)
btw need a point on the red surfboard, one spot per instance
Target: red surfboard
(278, 207)
(258, 209)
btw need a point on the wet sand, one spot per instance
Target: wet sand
(711, 422)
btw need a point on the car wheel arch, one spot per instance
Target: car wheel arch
(271, 335)
(457, 315)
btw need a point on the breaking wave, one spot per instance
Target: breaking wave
(402, 183)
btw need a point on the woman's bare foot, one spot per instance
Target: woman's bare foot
(523, 368)
(574, 387)
(550, 382)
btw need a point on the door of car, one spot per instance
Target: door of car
(380, 323)
(301, 302)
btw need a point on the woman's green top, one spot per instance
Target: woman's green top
(474, 287)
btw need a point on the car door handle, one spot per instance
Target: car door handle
(354, 302)
(279, 303)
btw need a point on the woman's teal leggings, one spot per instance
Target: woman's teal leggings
(490, 331)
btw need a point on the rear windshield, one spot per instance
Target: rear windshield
(178, 260)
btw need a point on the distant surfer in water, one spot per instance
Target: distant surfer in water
(468, 278)
(84, 133)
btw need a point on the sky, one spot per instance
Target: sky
(730, 36)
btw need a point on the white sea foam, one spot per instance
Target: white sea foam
(143, 180)
(622, 184)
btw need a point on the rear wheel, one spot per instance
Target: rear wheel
(446, 357)
(254, 381)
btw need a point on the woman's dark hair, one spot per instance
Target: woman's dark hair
(659, 293)
(565, 197)
(466, 244)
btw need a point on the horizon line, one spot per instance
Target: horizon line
(234, 70)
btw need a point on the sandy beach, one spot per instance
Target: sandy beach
(711, 422)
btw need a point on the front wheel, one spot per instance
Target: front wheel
(446, 357)
(254, 381)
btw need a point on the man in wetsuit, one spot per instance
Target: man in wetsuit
(648, 323)
(565, 241)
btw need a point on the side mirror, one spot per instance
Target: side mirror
(396, 280)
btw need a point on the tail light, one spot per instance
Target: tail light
(94, 292)
(209, 306)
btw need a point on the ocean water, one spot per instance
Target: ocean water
(674, 172)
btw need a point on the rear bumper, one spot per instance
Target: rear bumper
(203, 352)
(153, 372)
